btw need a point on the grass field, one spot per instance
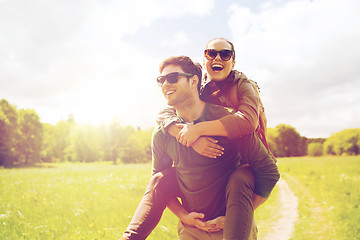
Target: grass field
(96, 201)
(328, 190)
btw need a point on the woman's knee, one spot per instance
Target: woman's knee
(163, 181)
(243, 177)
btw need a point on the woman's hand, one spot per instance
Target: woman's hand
(208, 147)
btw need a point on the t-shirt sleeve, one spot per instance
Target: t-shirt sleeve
(167, 117)
(160, 159)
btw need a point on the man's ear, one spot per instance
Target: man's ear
(194, 81)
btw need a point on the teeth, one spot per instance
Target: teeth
(217, 67)
(169, 92)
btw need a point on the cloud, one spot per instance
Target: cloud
(305, 56)
(180, 39)
(62, 57)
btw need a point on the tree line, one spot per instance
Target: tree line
(25, 140)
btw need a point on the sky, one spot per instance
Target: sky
(99, 59)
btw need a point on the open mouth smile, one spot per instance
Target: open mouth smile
(217, 67)
(169, 92)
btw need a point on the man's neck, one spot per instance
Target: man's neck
(191, 111)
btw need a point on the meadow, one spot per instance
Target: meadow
(328, 191)
(97, 200)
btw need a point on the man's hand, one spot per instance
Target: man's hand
(174, 129)
(208, 147)
(214, 225)
(188, 135)
(194, 219)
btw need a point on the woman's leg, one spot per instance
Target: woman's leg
(162, 186)
(239, 204)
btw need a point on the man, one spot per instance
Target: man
(204, 184)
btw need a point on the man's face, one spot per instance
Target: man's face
(218, 69)
(175, 93)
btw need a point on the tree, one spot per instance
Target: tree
(315, 149)
(8, 133)
(138, 147)
(115, 137)
(346, 142)
(57, 141)
(30, 138)
(87, 144)
(285, 141)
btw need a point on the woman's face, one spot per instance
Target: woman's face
(218, 69)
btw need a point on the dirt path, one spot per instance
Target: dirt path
(285, 226)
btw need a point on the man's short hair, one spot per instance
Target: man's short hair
(186, 64)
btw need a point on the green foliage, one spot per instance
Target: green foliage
(137, 148)
(30, 137)
(315, 149)
(346, 142)
(285, 141)
(25, 140)
(8, 133)
(20, 135)
(86, 143)
(115, 140)
(57, 141)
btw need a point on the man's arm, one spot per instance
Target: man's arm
(160, 159)
(192, 219)
(166, 118)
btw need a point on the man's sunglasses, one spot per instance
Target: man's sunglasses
(211, 54)
(172, 77)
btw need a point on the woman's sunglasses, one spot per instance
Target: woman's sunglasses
(172, 77)
(225, 55)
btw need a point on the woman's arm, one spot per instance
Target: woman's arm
(245, 120)
(172, 124)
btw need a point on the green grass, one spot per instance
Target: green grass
(97, 201)
(328, 190)
(71, 201)
(267, 214)
(78, 201)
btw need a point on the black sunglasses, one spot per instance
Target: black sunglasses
(225, 55)
(172, 77)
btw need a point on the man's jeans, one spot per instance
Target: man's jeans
(163, 186)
